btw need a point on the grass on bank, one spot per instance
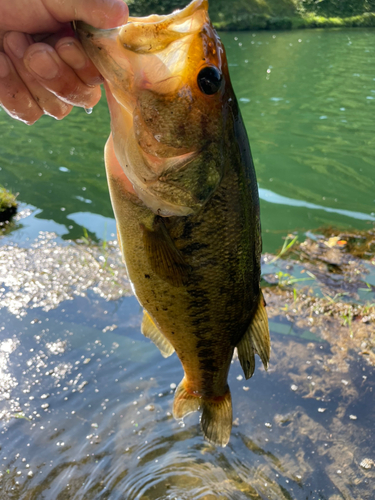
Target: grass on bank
(366, 20)
(248, 22)
(237, 15)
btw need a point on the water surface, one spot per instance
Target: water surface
(308, 101)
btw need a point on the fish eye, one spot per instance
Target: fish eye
(209, 80)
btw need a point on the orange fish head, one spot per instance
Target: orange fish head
(169, 93)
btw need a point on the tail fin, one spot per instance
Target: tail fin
(216, 421)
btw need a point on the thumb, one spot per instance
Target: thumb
(102, 14)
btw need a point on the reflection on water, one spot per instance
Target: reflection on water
(267, 195)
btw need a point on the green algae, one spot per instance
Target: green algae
(8, 204)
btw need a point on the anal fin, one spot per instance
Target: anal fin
(150, 330)
(184, 402)
(256, 338)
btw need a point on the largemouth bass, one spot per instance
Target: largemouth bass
(185, 198)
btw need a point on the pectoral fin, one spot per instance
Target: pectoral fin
(150, 330)
(165, 259)
(257, 337)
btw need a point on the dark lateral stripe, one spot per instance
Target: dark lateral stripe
(197, 321)
(193, 247)
(188, 229)
(197, 292)
(207, 365)
(197, 304)
(207, 353)
(202, 332)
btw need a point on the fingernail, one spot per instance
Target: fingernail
(73, 55)
(112, 13)
(4, 66)
(17, 43)
(43, 64)
(123, 13)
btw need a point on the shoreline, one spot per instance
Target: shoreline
(263, 22)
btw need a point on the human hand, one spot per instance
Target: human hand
(43, 68)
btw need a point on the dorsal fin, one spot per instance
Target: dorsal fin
(256, 337)
(151, 331)
(246, 354)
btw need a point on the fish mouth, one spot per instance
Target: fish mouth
(162, 40)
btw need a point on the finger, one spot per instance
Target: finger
(72, 53)
(15, 98)
(47, 16)
(55, 75)
(103, 14)
(53, 37)
(15, 45)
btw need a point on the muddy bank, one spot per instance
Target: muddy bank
(326, 285)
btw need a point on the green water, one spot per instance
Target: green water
(308, 101)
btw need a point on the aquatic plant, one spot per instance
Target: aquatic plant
(8, 204)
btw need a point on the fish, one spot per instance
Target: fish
(185, 197)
